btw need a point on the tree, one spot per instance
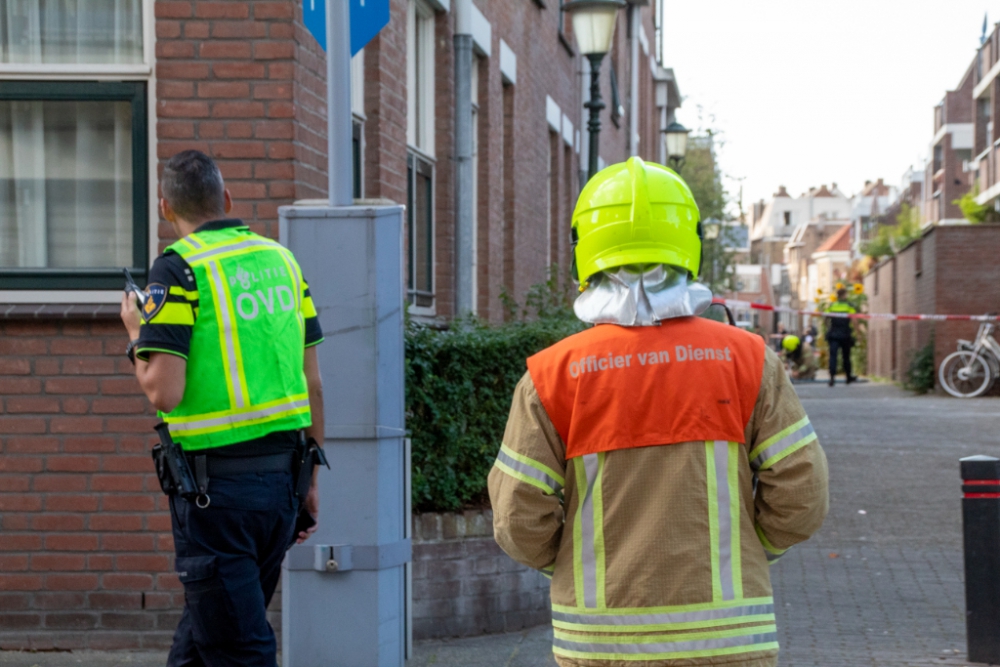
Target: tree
(702, 174)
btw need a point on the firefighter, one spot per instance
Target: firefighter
(656, 464)
(800, 357)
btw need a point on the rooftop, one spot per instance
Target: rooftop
(840, 240)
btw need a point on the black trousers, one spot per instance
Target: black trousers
(229, 560)
(844, 348)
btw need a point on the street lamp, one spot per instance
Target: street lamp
(675, 136)
(594, 27)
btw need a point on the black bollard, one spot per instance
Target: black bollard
(981, 526)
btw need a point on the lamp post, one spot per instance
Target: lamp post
(594, 27)
(675, 136)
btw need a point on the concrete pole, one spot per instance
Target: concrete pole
(338, 103)
(344, 591)
(465, 300)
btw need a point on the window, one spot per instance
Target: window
(358, 116)
(74, 171)
(616, 101)
(474, 90)
(788, 217)
(420, 158)
(50, 32)
(420, 232)
(658, 30)
(938, 158)
(420, 77)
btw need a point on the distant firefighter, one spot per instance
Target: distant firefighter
(800, 357)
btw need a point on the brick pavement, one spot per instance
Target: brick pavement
(879, 589)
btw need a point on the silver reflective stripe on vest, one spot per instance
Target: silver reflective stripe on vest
(193, 241)
(668, 618)
(721, 451)
(529, 471)
(239, 418)
(229, 247)
(798, 437)
(588, 554)
(222, 306)
(667, 647)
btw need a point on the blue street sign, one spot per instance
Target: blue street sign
(368, 17)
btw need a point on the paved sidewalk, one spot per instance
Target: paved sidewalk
(879, 586)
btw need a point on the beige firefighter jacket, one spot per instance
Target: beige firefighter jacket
(659, 555)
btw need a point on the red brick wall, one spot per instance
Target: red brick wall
(882, 334)
(225, 74)
(958, 274)
(85, 552)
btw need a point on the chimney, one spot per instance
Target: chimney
(782, 192)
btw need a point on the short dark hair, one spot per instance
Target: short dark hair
(842, 293)
(192, 185)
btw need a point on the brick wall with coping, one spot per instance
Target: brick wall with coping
(952, 269)
(464, 585)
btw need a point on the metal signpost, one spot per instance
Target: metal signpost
(344, 590)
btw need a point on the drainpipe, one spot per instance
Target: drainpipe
(465, 300)
(633, 117)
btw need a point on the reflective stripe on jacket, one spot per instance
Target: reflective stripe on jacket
(659, 553)
(245, 374)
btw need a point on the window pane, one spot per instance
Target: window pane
(65, 184)
(70, 31)
(422, 209)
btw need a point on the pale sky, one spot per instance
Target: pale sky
(807, 92)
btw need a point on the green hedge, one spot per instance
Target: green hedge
(459, 384)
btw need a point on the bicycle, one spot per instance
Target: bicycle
(973, 369)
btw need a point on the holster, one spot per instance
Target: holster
(172, 468)
(308, 455)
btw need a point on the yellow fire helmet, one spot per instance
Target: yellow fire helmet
(635, 212)
(790, 343)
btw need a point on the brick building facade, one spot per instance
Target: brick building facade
(85, 550)
(947, 176)
(951, 269)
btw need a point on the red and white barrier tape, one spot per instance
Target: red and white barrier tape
(732, 303)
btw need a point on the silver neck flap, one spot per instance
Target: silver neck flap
(641, 296)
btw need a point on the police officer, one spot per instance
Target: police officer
(655, 464)
(224, 347)
(839, 335)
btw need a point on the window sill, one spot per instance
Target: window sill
(70, 70)
(59, 311)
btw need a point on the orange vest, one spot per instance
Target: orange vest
(613, 387)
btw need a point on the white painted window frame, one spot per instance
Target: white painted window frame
(146, 71)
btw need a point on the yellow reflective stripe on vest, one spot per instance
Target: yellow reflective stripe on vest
(293, 270)
(688, 617)
(770, 551)
(588, 532)
(674, 646)
(782, 444)
(200, 424)
(227, 337)
(528, 471)
(722, 473)
(227, 247)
